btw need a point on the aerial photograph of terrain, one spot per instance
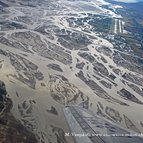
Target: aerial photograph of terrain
(71, 71)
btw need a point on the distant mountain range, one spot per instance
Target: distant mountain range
(131, 4)
(136, 6)
(128, 1)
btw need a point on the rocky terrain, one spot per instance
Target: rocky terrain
(11, 130)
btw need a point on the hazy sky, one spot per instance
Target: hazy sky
(129, 1)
